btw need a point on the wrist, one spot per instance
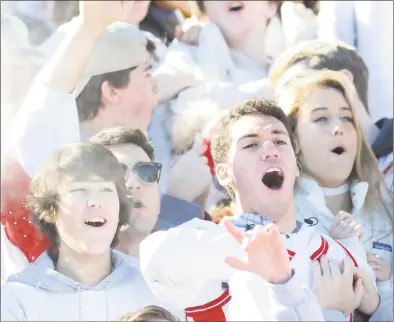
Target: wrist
(283, 278)
(92, 28)
(370, 304)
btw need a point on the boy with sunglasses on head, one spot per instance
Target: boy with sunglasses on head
(136, 155)
(79, 201)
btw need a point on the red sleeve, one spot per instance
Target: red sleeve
(14, 216)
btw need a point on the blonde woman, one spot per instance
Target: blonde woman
(341, 189)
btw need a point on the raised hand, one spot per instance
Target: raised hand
(101, 14)
(266, 253)
(345, 226)
(190, 175)
(334, 287)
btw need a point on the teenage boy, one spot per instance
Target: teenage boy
(255, 161)
(149, 212)
(79, 201)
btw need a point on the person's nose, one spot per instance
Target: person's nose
(133, 182)
(269, 151)
(94, 199)
(337, 129)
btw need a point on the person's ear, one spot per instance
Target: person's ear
(297, 148)
(224, 175)
(109, 94)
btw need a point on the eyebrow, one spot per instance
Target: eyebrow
(255, 135)
(318, 109)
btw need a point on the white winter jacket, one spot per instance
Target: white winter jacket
(377, 235)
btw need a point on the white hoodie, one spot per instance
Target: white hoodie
(39, 293)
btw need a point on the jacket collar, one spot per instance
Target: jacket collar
(314, 194)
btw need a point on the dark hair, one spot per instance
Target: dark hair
(122, 135)
(320, 55)
(77, 161)
(149, 313)
(201, 4)
(220, 141)
(89, 100)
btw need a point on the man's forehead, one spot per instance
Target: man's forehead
(255, 124)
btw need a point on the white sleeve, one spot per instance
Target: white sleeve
(13, 260)
(47, 121)
(253, 299)
(336, 21)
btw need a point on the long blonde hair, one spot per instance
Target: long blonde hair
(295, 93)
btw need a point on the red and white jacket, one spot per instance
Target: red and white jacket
(185, 267)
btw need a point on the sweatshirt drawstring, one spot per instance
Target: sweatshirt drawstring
(107, 301)
(79, 303)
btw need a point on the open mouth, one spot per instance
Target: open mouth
(338, 150)
(236, 6)
(95, 222)
(273, 178)
(136, 204)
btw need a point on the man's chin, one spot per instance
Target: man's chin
(141, 229)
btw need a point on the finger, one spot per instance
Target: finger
(272, 229)
(358, 290)
(348, 267)
(349, 230)
(236, 263)
(335, 268)
(233, 231)
(325, 267)
(341, 215)
(374, 258)
(358, 229)
(316, 271)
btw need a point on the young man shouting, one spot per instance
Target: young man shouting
(255, 161)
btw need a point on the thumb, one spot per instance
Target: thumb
(236, 263)
(358, 290)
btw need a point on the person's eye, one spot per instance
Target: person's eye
(347, 119)
(249, 146)
(321, 119)
(280, 142)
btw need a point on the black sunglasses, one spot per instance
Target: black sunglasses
(147, 172)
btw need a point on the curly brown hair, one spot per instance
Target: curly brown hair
(77, 161)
